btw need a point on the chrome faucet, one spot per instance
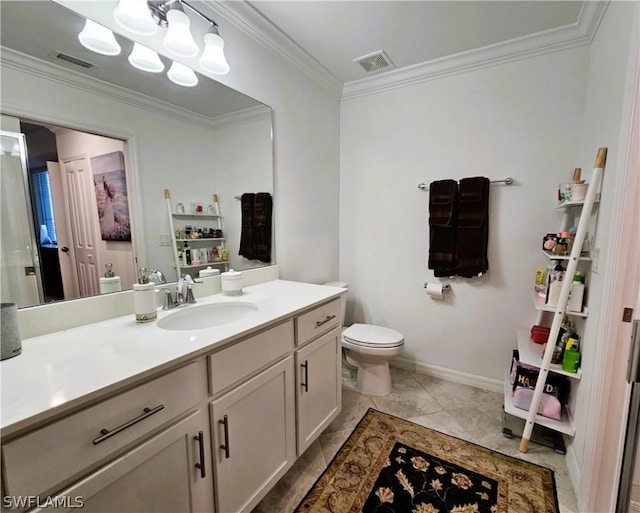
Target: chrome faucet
(183, 293)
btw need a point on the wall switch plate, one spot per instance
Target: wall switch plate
(164, 239)
(595, 260)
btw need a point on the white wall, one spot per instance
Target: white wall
(613, 61)
(521, 119)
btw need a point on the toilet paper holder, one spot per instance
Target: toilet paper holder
(446, 287)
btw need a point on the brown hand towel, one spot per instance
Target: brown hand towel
(443, 216)
(247, 242)
(473, 227)
(263, 208)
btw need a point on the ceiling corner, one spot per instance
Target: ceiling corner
(246, 18)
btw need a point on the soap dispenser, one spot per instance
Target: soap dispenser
(144, 298)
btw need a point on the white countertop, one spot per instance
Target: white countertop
(57, 372)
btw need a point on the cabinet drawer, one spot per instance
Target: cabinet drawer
(318, 321)
(239, 360)
(44, 458)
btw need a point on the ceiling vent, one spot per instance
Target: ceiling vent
(74, 60)
(374, 61)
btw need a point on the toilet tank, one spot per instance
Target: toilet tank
(343, 297)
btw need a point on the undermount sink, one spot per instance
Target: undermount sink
(207, 316)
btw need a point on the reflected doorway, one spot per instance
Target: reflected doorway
(77, 187)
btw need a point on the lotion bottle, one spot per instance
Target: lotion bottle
(144, 298)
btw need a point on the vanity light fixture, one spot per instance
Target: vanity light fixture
(182, 75)
(143, 17)
(212, 58)
(145, 59)
(98, 39)
(178, 41)
(135, 16)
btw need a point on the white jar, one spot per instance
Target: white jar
(144, 302)
(209, 271)
(231, 283)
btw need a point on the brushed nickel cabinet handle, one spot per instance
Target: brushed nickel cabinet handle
(225, 446)
(305, 383)
(200, 439)
(105, 433)
(327, 319)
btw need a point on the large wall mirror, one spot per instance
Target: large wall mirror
(93, 143)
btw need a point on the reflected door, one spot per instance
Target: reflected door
(19, 263)
(66, 251)
(81, 204)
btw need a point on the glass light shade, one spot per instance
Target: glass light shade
(98, 39)
(182, 75)
(213, 58)
(134, 15)
(145, 59)
(179, 41)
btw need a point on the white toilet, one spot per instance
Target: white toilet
(369, 348)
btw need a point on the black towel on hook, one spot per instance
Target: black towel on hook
(247, 240)
(262, 211)
(443, 218)
(473, 227)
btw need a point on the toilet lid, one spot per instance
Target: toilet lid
(372, 336)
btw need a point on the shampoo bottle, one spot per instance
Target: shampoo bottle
(144, 298)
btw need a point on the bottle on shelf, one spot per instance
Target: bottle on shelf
(180, 255)
(554, 285)
(187, 254)
(576, 294)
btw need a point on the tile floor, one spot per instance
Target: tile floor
(466, 412)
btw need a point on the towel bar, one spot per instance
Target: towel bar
(507, 181)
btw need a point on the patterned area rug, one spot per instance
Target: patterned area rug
(391, 465)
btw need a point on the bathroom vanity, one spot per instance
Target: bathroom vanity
(118, 416)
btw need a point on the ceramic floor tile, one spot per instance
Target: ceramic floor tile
(477, 422)
(289, 491)
(354, 406)
(440, 421)
(452, 395)
(331, 443)
(407, 399)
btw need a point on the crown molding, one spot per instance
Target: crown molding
(247, 19)
(576, 34)
(71, 78)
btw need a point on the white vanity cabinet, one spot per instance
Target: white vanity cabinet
(318, 387)
(253, 422)
(122, 452)
(318, 371)
(170, 472)
(253, 435)
(212, 432)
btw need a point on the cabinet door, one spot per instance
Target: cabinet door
(163, 474)
(253, 433)
(318, 387)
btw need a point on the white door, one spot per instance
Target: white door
(318, 386)
(253, 438)
(66, 252)
(83, 217)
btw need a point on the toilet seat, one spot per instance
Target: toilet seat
(372, 336)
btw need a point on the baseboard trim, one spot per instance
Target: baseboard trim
(494, 385)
